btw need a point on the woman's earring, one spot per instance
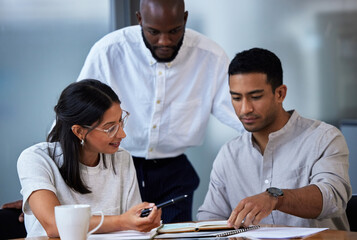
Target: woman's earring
(82, 142)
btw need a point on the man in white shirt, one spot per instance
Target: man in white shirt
(284, 162)
(170, 79)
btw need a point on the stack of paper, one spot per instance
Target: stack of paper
(279, 232)
(129, 234)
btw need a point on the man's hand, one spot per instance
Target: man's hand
(17, 205)
(252, 210)
(305, 202)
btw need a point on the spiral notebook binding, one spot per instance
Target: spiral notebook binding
(236, 231)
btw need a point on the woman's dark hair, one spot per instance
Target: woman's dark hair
(258, 60)
(82, 103)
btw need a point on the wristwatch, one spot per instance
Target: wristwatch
(275, 192)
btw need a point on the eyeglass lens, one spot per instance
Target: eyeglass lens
(114, 129)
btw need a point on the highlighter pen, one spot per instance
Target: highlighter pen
(145, 212)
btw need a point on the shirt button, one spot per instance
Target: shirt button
(150, 149)
(159, 73)
(266, 181)
(154, 126)
(169, 64)
(158, 101)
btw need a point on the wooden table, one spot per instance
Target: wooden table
(333, 234)
(324, 235)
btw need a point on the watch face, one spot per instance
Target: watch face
(276, 192)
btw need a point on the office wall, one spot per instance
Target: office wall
(43, 45)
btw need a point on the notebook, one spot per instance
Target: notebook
(197, 234)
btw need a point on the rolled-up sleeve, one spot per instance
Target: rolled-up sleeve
(330, 173)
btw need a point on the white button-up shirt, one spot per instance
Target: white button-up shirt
(169, 103)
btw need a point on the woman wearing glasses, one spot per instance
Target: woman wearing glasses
(81, 162)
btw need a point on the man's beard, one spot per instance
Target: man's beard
(153, 48)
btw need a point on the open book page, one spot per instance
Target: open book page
(279, 232)
(212, 225)
(178, 227)
(194, 226)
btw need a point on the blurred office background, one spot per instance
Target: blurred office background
(43, 45)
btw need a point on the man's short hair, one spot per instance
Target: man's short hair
(258, 60)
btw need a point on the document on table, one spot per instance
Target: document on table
(279, 232)
(129, 234)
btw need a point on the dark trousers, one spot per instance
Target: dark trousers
(164, 179)
(10, 227)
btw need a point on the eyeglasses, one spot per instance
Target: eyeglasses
(113, 129)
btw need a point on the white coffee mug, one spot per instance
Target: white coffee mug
(73, 221)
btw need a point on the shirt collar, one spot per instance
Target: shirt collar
(287, 127)
(152, 61)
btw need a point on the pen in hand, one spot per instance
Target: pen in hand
(145, 212)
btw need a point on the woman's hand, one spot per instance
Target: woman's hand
(132, 220)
